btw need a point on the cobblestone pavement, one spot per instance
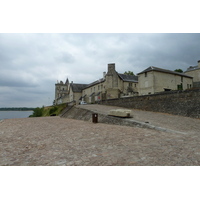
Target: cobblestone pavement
(173, 122)
(59, 141)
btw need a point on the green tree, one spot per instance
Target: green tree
(178, 70)
(37, 112)
(129, 73)
(53, 110)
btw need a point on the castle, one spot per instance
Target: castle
(116, 85)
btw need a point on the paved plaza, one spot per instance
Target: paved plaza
(59, 141)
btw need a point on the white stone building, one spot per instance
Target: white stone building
(153, 80)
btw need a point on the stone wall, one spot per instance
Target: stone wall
(196, 84)
(86, 115)
(185, 103)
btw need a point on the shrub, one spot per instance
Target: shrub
(52, 110)
(37, 112)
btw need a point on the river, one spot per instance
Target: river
(15, 114)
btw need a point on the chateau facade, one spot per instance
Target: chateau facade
(116, 85)
(112, 85)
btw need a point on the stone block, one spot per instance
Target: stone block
(120, 113)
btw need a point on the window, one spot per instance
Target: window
(130, 84)
(145, 74)
(181, 78)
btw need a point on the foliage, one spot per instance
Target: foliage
(129, 73)
(53, 110)
(178, 70)
(48, 111)
(37, 112)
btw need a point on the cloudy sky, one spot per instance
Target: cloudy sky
(132, 34)
(31, 64)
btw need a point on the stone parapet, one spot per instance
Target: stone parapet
(185, 103)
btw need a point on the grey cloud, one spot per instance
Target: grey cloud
(30, 64)
(65, 57)
(166, 50)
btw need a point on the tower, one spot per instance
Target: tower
(61, 90)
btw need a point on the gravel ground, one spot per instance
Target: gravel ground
(59, 141)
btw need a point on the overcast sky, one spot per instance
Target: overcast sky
(31, 64)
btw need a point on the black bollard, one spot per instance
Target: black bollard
(95, 118)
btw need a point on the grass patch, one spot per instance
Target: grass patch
(48, 111)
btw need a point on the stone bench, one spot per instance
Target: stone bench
(120, 113)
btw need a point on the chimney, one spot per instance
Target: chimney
(111, 68)
(198, 63)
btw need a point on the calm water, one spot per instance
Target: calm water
(14, 114)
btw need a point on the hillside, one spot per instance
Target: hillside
(48, 111)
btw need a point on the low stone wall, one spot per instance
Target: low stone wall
(185, 103)
(86, 115)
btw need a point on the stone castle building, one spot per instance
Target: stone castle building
(111, 85)
(116, 85)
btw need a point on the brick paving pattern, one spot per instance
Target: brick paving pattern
(59, 141)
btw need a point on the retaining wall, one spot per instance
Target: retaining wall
(86, 115)
(185, 103)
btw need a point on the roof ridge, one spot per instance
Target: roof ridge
(163, 70)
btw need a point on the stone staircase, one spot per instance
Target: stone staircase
(63, 113)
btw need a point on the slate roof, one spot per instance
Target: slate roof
(76, 87)
(192, 68)
(164, 71)
(98, 94)
(129, 78)
(92, 94)
(82, 97)
(67, 82)
(95, 82)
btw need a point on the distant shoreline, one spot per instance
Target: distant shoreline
(17, 109)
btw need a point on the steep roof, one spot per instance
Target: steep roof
(95, 82)
(192, 68)
(164, 71)
(129, 78)
(67, 81)
(76, 87)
